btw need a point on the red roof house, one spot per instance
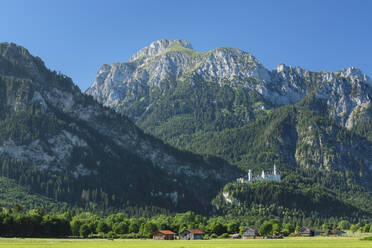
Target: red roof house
(163, 235)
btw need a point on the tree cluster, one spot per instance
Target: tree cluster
(15, 222)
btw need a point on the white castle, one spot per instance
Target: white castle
(275, 176)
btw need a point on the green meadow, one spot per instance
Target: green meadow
(326, 242)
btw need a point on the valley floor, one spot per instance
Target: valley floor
(326, 242)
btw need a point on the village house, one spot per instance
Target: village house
(235, 236)
(306, 232)
(250, 233)
(309, 232)
(192, 234)
(337, 233)
(319, 232)
(163, 235)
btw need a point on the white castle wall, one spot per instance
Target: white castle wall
(274, 176)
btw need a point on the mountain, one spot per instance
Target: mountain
(63, 145)
(167, 65)
(68, 150)
(225, 103)
(181, 95)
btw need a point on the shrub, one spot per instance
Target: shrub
(213, 236)
(224, 236)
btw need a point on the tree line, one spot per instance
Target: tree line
(14, 222)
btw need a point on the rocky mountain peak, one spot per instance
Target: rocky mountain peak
(228, 63)
(354, 72)
(11, 50)
(160, 46)
(18, 59)
(283, 69)
(239, 56)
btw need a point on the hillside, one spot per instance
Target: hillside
(63, 145)
(12, 194)
(225, 103)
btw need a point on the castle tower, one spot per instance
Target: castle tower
(250, 176)
(263, 174)
(274, 169)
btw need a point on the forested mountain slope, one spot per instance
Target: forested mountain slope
(62, 144)
(226, 103)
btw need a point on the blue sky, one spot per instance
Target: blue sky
(77, 37)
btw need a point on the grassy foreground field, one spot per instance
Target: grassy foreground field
(99, 243)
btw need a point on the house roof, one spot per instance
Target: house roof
(250, 229)
(306, 229)
(165, 232)
(195, 231)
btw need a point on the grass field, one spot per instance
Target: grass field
(325, 242)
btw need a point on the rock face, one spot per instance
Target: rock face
(49, 129)
(347, 92)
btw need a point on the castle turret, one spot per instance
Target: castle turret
(250, 176)
(263, 174)
(274, 169)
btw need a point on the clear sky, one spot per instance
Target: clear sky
(76, 37)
